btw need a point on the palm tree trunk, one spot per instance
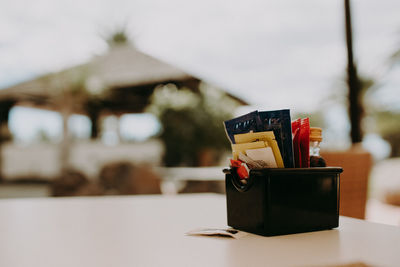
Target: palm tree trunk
(355, 105)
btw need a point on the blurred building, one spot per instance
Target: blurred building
(118, 82)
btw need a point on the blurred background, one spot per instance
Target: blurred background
(128, 97)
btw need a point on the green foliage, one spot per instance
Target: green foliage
(387, 122)
(43, 137)
(192, 122)
(388, 126)
(116, 36)
(395, 58)
(316, 119)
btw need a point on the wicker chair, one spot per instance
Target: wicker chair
(356, 164)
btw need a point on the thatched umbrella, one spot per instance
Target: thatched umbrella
(120, 81)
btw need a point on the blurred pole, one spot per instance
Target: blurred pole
(66, 137)
(5, 107)
(93, 109)
(94, 129)
(355, 106)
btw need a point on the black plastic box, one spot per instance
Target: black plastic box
(284, 201)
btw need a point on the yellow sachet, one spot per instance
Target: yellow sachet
(241, 148)
(268, 137)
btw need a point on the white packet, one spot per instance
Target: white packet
(222, 232)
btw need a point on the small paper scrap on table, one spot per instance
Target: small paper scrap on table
(218, 232)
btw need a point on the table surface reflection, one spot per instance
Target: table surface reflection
(149, 231)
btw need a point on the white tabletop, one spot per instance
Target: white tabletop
(149, 231)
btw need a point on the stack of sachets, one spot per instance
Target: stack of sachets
(268, 139)
(261, 140)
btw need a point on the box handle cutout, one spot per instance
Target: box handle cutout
(236, 180)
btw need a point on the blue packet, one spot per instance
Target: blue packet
(280, 123)
(243, 124)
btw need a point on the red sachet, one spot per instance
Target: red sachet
(296, 142)
(243, 171)
(305, 142)
(241, 168)
(235, 163)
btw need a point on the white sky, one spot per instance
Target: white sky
(273, 53)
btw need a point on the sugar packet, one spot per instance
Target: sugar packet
(244, 124)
